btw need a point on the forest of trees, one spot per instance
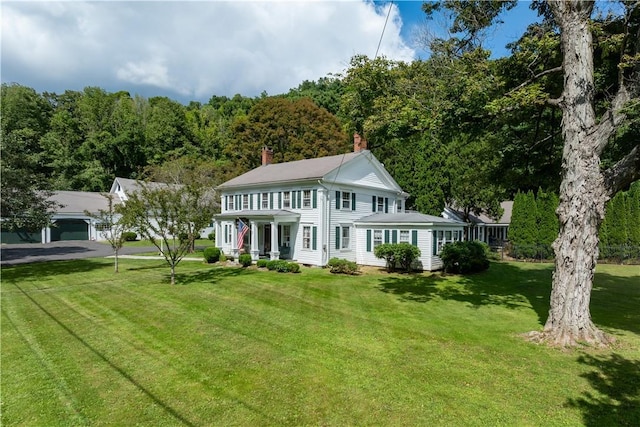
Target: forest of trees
(457, 128)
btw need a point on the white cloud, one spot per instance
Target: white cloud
(190, 49)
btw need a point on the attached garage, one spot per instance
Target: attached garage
(69, 229)
(20, 236)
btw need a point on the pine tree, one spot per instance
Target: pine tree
(548, 225)
(523, 228)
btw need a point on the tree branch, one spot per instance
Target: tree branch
(610, 120)
(623, 173)
(534, 78)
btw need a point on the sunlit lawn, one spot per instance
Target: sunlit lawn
(226, 346)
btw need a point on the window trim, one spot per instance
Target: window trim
(286, 200)
(264, 202)
(245, 201)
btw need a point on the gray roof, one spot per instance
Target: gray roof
(506, 206)
(79, 201)
(130, 186)
(299, 170)
(405, 218)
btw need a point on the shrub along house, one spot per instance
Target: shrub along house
(330, 207)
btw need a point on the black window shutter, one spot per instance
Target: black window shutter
(394, 236)
(270, 200)
(314, 238)
(279, 201)
(386, 205)
(414, 237)
(315, 199)
(368, 240)
(337, 200)
(337, 237)
(373, 203)
(386, 236)
(353, 201)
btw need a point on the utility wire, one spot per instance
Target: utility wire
(384, 28)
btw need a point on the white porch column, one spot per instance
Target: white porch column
(255, 251)
(275, 249)
(234, 240)
(216, 228)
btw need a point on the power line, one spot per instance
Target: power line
(384, 28)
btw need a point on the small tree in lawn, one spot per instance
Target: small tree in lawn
(112, 224)
(165, 214)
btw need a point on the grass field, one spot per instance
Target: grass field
(229, 346)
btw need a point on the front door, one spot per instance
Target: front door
(267, 238)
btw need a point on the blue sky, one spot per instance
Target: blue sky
(195, 49)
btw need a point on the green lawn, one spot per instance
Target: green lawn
(226, 346)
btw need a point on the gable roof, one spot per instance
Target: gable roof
(298, 170)
(79, 201)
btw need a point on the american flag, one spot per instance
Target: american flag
(242, 230)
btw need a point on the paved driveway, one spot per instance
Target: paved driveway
(55, 251)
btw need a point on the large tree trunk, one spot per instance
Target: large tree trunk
(583, 193)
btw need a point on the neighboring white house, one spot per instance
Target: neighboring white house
(69, 222)
(313, 210)
(481, 227)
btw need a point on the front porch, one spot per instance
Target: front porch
(264, 234)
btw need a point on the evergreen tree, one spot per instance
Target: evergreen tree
(523, 230)
(548, 225)
(633, 222)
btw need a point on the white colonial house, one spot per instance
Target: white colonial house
(316, 209)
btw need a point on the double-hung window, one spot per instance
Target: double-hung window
(306, 237)
(377, 238)
(405, 236)
(230, 200)
(306, 198)
(345, 241)
(380, 204)
(245, 201)
(265, 201)
(286, 199)
(346, 200)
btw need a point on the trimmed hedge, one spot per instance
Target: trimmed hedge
(402, 254)
(245, 260)
(211, 254)
(283, 266)
(129, 236)
(262, 263)
(465, 257)
(342, 266)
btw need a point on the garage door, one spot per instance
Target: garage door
(20, 236)
(69, 229)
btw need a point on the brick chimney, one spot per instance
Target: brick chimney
(267, 156)
(359, 143)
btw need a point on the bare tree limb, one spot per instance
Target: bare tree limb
(623, 173)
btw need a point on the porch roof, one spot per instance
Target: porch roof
(409, 218)
(280, 214)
